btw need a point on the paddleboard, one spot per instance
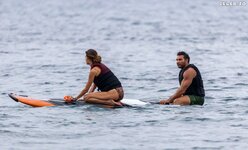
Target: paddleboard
(34, 102)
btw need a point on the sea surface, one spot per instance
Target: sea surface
(42, 54)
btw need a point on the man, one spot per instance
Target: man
(191, 90)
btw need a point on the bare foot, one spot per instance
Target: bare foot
(117, 103)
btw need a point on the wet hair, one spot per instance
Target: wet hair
(93, 56)
(185, 55)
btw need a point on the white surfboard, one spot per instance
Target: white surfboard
(133, 102)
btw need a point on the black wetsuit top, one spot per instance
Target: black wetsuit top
(106, 80)
(196, 88)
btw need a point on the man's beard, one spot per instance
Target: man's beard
(180, 66)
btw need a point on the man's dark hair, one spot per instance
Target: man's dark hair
(185, 55)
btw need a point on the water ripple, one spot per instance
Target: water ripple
(42, 47)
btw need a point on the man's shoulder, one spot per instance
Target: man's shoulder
(190, 72)
(192, 66)
(190, 69)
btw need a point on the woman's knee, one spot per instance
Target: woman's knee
(88, 100)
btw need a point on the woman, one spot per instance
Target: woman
(110, 90)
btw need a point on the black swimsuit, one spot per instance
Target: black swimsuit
(107, 81)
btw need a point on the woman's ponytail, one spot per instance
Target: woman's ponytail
(97, 59)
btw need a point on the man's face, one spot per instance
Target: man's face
(181, 61)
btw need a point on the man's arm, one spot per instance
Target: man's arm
(188, 77)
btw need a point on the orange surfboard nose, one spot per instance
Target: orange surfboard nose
(68, 98)
(34, 102)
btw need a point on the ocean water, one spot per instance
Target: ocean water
(42, 48)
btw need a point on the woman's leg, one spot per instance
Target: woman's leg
(100, 101)
(112, 94)
(111, 97)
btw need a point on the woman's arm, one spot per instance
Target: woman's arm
(91, 77)
(93, 87)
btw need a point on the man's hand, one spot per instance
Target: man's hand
(165, 102)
